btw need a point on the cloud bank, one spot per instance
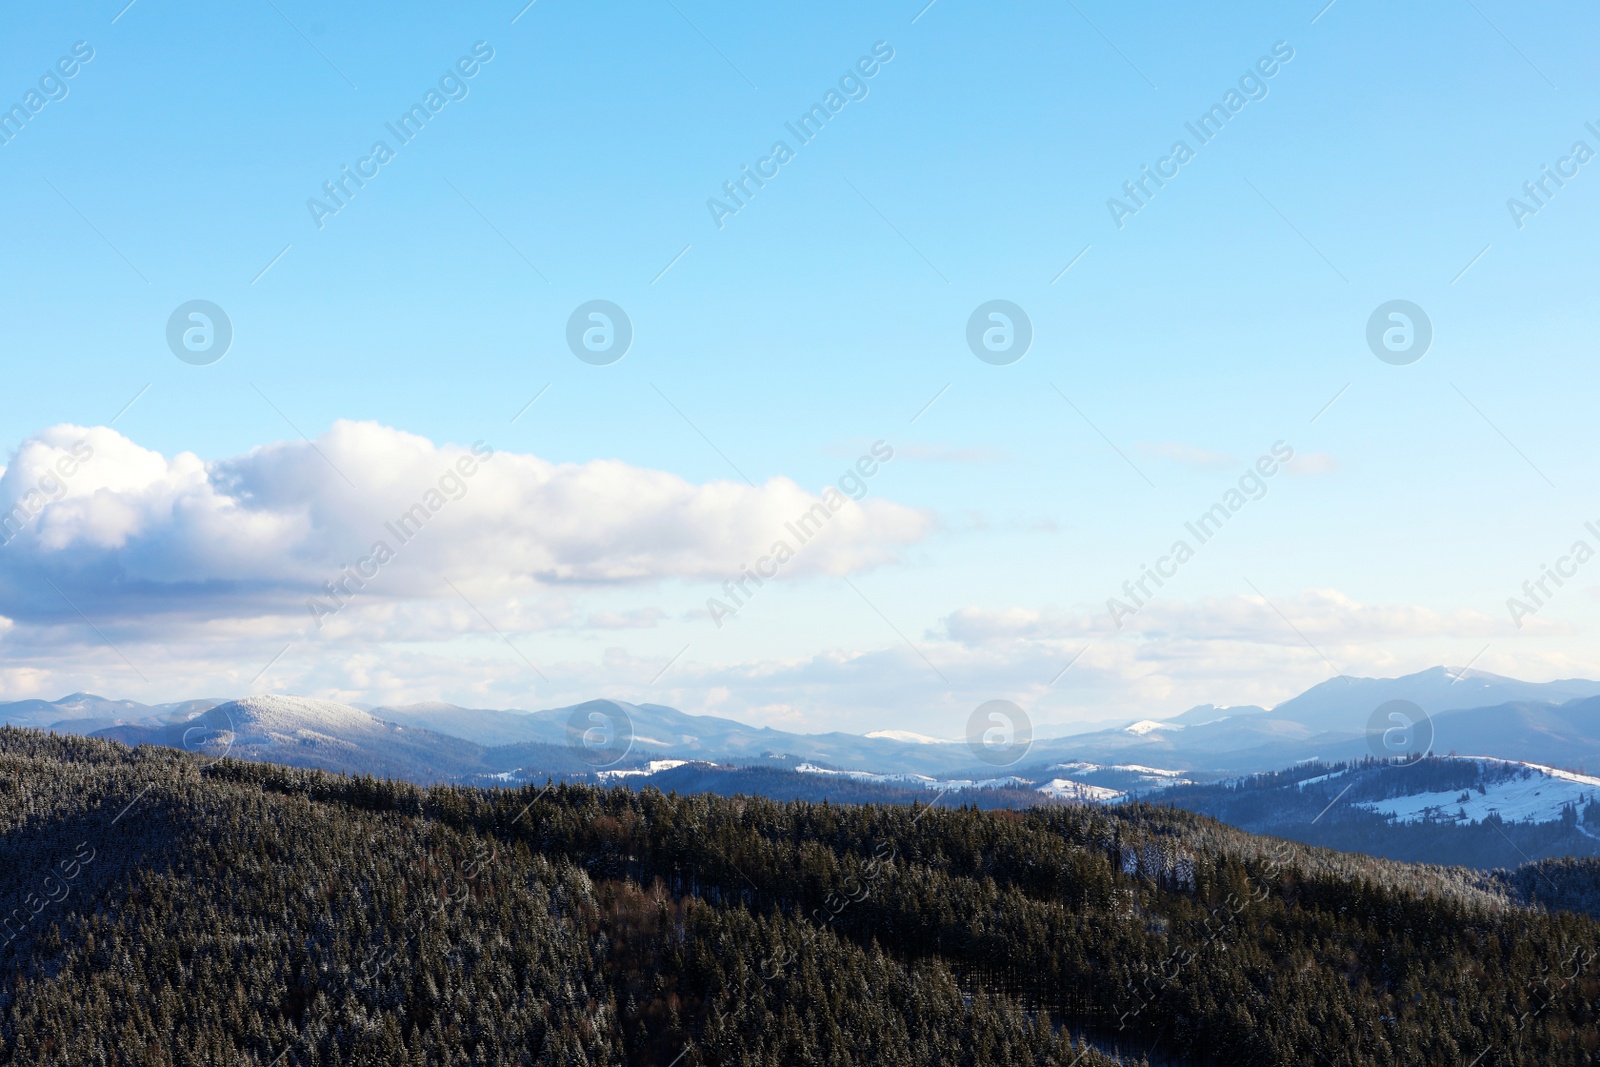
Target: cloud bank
(93, 522)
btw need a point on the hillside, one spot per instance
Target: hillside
(170, 910)
(1476, 811)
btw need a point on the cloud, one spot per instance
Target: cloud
(1310, 464)
(513, 581)
(1055, 663)
(638, 619)
(1317, 613)
(374, 515)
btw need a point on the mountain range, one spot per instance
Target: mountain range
(1472, 712)
(1304, 769)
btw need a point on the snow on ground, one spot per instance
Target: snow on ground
(911, 737)
(1067, 789)
(1144, 726)
(1539, 797)
(655, 766)
(1323, 778)
(265, 719)
(1133, 768)
(1111, 782)
(914, 780)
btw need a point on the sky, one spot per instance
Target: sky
(1300, 267)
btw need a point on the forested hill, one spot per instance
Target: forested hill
(159, 910)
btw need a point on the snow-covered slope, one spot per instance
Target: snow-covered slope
(913, 781)
(911, 737)
(1109, 783)
(268, 719)
(1067, 789)
(1145, 726)
(1517, 792)
(303, 732)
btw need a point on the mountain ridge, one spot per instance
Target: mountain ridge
(1543, 722)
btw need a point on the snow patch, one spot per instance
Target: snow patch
(1067, 789)
(655, 766)
(911, 737)
(1145, 726)
(1536, 795)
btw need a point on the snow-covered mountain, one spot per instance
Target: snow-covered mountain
(1551, 723)
(84, 713)
(1477, 811)
(1326, 706)
(1472, 711)
(1509, 789)
(302, 732)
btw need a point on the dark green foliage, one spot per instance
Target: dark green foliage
(236, 911)
(1566, 883)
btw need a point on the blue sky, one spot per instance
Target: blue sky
(823, 316)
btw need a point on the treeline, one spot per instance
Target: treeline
(239, 913)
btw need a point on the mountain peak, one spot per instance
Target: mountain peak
(293, 716)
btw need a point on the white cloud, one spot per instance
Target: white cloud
(1313, 612)
(1310, 464)
(134, 534)
(198, 573)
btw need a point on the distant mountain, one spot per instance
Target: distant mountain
(1508, 799)
(1565, 735)
(301, 732)
(670, 733)
(481, 725)
(1331, 705)
(1473, 712)
(84, 713)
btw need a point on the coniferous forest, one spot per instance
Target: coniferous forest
(159, 909)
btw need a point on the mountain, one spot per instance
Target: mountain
(481, 725)
(165, 909)
(1471, 711)
(1554, 723)
(1566, 735)
(1474, 811)
(83, 713)
(1329, 705)
(669, 733)
(302, 732)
